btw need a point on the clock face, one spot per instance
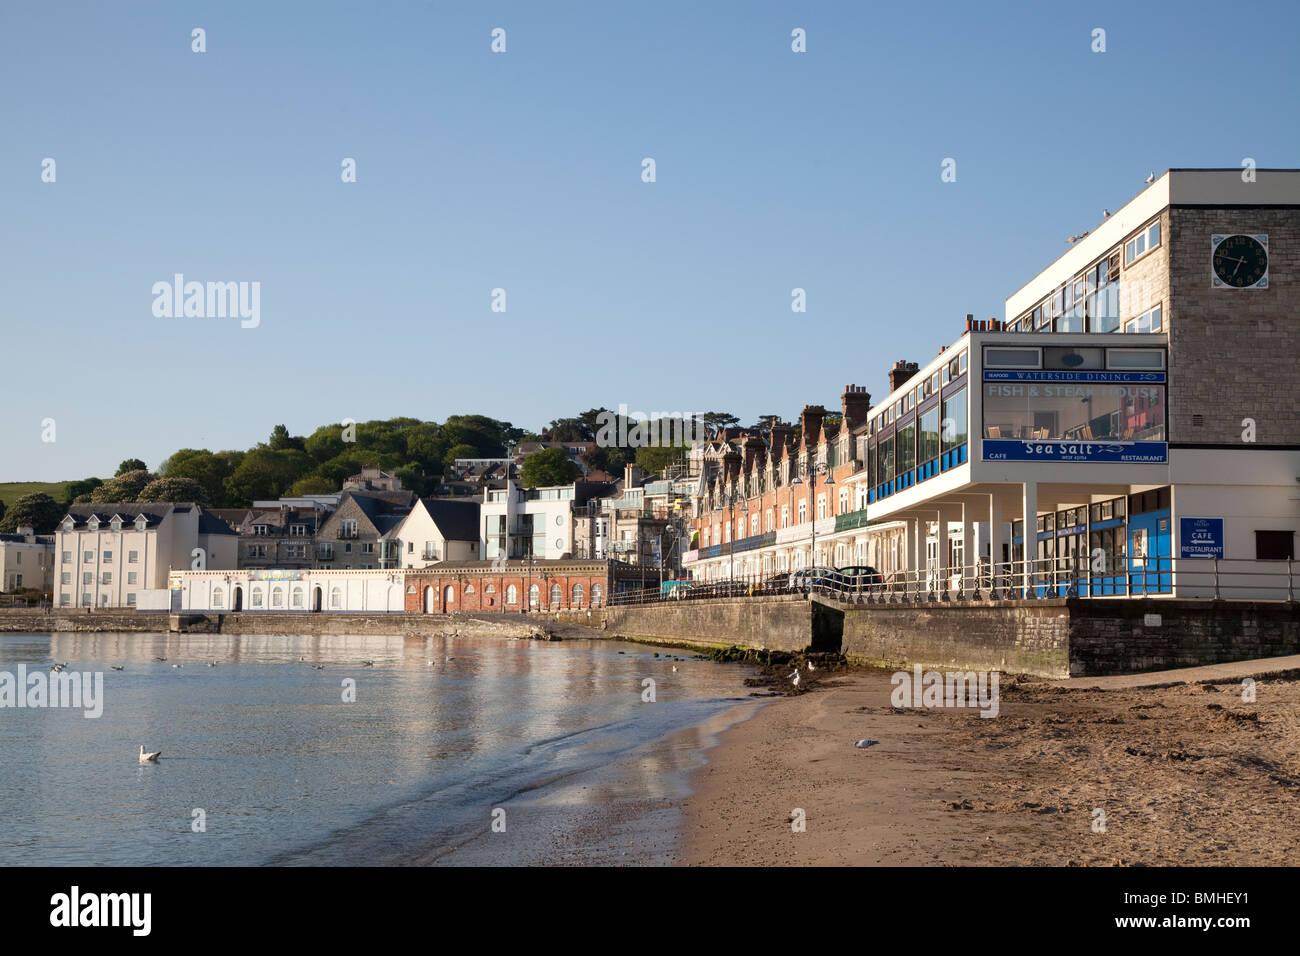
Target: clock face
(1239, 262)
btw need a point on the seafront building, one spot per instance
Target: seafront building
(1128, 427)
(121, 554)
(26, 560)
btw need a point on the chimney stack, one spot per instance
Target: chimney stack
(855, 402)
(900, 373)
(811, 419)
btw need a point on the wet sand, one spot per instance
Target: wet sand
(1186, 775)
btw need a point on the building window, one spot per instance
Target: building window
(67, 557)
(336, 598)
(1146, 322)
(953, 432)
(596, 592)
(218, 597)
(1275, 545)
(803, 511)
(821, 506)
(297, 597)
(512, 594)
(65, 577)
(297, 530)
(534, 596)
(785, 516)
(65, 600)
(130, 599)
(133, 557)
(557, 595)
(85, 599)
(132, 577)
(277, 597)
(88, 577)
(367, 547)
(489, 589)
(577, 595)
(1142, 243)
(296, 551)
(257, 597)
(259, 529)
(88, 557)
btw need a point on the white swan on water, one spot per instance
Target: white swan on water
(145, 758)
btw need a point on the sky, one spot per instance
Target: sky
(523, 171)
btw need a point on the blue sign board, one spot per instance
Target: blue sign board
(1038, 375)
(1200, 537)
(1133, 452)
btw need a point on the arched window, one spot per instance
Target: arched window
(218, 597)
(512, 595)
(297, 597)
(596, 593)
(469, 589)
(277, 597)
(557, 595)
(534, 596)
(489, 589)
(336, 598)
(577, 595)
(257, 597)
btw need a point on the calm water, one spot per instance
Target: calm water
(556, 734)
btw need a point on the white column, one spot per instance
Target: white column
(918, 553)
(997, 536)
(1029, 510)
(941, 546)
(968, 556)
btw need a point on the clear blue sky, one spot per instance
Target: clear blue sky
(523, 171)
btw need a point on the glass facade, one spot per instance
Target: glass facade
(1075, 411)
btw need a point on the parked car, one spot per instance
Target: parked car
(857, 578)
(807, 578)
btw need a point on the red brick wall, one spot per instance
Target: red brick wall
(476, 591)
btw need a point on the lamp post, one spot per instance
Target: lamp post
(815, 469)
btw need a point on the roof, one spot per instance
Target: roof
(456, 518)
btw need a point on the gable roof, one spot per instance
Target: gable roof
(456, 518)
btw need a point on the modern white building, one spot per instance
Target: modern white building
(108, 555)
(517, 522)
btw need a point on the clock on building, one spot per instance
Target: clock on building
(1239, 262)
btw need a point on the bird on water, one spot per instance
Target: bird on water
(147, 757)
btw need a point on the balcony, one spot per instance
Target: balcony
(325, 554)
(428, 555)
(345, 533)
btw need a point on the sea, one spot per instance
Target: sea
(292, 750)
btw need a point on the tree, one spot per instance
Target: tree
(266, 474)
(2, 510)
(312, 485)
(551, 466)
(720, 420)
(174, 489)
(654, 459)
(208, 469)
(124, 487)
(131, 464)
(38, 510)
(567, 429)
(80, 489)
(281, 439)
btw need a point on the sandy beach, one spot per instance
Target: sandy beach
(1185, 775)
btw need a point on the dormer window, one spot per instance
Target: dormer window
(92, 524)
(259, 529)
(116, 524)
(140, 523)
(68, 524)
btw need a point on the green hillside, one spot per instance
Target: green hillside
(11, 491)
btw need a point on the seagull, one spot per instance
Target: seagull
(795, 677)
(115, 667)
(160, 658)
(174, 666)
(145, 758)
(812, 666)
(318, 667)
(212, 664)
(301, 659)
(367, 663)
(1151, 176)
(57, 669)
(1105, 214)
(674, 668)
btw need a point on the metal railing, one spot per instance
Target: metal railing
(1035, 579)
